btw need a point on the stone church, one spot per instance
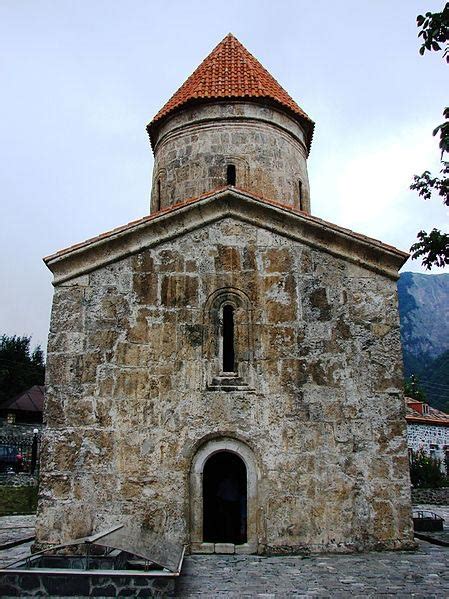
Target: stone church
(226, 371)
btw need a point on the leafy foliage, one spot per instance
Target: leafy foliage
(425, 471)
(20, 368)
(434, 31)
(413, 389)
(433, 247)
(424, 184)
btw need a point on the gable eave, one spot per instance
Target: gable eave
(182, 218)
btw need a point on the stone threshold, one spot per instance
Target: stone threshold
(223, 548)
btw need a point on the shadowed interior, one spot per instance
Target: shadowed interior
(224, 499)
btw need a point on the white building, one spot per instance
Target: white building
(428, 429)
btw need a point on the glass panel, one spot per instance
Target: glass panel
(145, 544)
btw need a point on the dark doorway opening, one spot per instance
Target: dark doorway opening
(228, 339)
(224, 499)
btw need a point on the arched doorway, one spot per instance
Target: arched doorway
(225, 499)
(205, 476)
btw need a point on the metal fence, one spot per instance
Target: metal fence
(19, 454)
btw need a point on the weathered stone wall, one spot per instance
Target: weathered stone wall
(131, 399)
(41, 584)
(26, 431)
(430, 496)
(195, 146)
(18, 480)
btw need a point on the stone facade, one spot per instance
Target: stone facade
(432, 438)
(43, 584)
(233, 326)
(193, 148)
(319, 405)
(18, 480)
(431, 496)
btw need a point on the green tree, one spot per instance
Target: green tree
(433, 247)
(413, 389)
(20, 368)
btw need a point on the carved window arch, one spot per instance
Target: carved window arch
(227, 342)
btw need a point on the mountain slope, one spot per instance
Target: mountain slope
(424, 316)
(424, 313)
(435, 382)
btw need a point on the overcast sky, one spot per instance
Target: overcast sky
(80, 79)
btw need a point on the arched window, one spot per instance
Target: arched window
(228, 339)
(158, 194)
(300, 194)
(230, 174)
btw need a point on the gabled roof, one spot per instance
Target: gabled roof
(230, 71)
(418, 416)
(195, 213)
(31, 400)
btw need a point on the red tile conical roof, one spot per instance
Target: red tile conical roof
(230, 71)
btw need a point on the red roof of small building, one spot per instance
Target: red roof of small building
(31, 400)
(418, 412)
(230, 71)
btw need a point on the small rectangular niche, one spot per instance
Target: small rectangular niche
(230, 174)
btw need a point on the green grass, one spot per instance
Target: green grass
(17, 500)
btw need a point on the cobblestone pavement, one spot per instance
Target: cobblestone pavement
(14, 528)
(12, 522)
(422, 574)
(439, 538)
(13, 554)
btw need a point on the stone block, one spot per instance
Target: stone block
(145, 286)
(143, 262)
(278, 260)
(170, 261)
(226, 548)
(228, 258)
(179, 290)
(203, 548)
(249, 258)
(138, 328)
(280, 299)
